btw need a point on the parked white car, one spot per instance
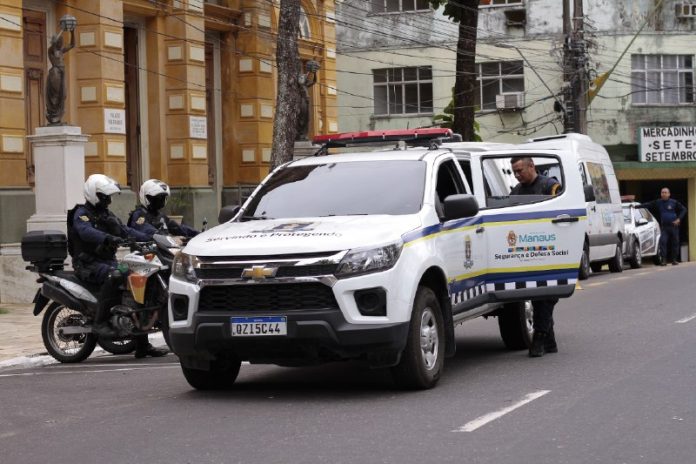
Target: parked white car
(643, 232)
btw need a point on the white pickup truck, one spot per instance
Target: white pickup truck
(375, 256)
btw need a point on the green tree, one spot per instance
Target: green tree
(446, 119)
(465, 13)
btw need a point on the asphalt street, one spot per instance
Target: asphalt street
(622, 389)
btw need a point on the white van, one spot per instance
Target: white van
(604, 239)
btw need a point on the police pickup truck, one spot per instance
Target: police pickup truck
(376, 256)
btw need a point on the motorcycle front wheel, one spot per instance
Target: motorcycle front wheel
(117, 346)
(66, 348)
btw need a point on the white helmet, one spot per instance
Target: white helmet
(100, 185)
(152, 188)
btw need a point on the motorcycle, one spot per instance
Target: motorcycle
(70, 304)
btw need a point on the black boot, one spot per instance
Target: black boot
(149, 350)
(538, 342)
(144, 348)
(550, 345)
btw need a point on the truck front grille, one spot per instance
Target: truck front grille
(313, 270)
(267, 297)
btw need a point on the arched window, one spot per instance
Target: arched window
(305, 31)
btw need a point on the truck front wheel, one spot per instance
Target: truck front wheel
(422, 360)
(220, 376)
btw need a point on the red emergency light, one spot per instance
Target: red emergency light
(392, 135)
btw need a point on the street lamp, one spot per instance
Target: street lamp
(68, 23)
(312, 66)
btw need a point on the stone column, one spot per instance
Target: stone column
(59, 158)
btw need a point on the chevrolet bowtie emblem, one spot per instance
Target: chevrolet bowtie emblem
(259, 272)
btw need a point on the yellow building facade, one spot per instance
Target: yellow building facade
(183, 91)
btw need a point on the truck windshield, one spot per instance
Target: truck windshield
(341, 189)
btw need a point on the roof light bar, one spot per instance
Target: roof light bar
(394, 135)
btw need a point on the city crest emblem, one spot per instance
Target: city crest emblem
(468, 262)
(512, 238)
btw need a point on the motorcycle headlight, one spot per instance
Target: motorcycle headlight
(358, 262)
(183, 267)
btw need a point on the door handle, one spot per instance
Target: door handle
(480, 229)
(558, 219)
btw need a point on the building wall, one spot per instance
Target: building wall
(364, 45)
(172, 73)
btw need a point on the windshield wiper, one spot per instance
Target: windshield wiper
(255, 218)
(348, 214)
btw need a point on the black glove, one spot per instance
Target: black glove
(112, 242)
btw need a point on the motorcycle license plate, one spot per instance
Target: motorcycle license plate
(259, 326)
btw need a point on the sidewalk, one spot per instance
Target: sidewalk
(20, 331)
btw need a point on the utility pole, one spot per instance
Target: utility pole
(568, 100)
(580, 52)
(576, 86)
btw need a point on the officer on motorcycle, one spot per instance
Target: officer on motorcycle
(149, 218)
(94, 234)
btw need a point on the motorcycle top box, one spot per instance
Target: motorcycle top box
(45, 248)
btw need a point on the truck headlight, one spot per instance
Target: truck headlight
(183, 266)
(358, 262)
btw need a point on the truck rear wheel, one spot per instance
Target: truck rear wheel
(220, 376)
(423, 358)
(515, 321)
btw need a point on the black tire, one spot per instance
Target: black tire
(164, 326)
(596, 267)
(221, 375)
(420, 367)
(584, 271)
(658, 258)
(616, 263)
(515, 321)
(66, 348)
(636, 257)
(117, 346)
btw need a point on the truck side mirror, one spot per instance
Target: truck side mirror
(589, 193)
(227, 213)
(641, 222)
(460, 206)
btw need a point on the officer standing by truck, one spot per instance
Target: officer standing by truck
(670, 213)
(532, 183)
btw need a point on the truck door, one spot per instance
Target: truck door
(461, 241)
(534, 241)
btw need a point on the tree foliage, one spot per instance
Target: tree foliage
(446, 119)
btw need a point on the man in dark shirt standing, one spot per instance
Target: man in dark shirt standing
(532, 183)
(670, 213)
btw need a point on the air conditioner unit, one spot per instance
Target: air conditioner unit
(510, 101)
(686, 10)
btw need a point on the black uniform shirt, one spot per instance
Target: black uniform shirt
(541, 185)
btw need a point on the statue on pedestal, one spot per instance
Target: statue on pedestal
(305, 81)
(55, 83)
